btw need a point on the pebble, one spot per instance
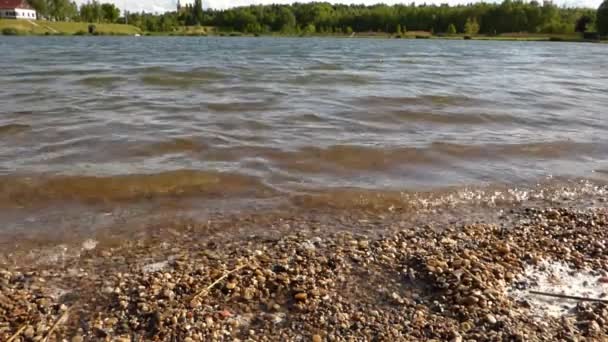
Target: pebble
(411, 284)
(301, 296)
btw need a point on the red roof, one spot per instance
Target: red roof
(10, 4)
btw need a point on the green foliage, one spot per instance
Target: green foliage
(91, 12)
(486, 18)
(109, 13)
(300, 18)
(9, 31)
(471, 27)
(601, 21)
(451, 29)
(60, 10)
(582, 23)
(309, 29)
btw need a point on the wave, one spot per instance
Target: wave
(100, 81)
(177, 145)
(13, 129)
(40, 189)
(158, 76)
(349, 159)
(476, 197)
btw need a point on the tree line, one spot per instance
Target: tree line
(321, 17)
(66, 10)
(484, 18)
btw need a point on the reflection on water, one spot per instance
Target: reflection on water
(124, 119)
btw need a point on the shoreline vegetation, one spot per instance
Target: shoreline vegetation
(508, 20)
(19, 27)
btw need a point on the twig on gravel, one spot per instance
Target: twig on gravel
(61, 318)
(205, 290)
(557, 295)
(17, 333)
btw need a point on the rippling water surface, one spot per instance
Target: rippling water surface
(129, 119)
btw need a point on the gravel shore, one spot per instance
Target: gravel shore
(326, 277)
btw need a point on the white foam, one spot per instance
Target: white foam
(557, 278)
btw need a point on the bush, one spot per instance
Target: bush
(451, 29)
(81, 33)
(92, 29)
(9, 31)
(556, 39)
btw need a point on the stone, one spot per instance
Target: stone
(317, 338)
(29, 332)
(77, 338)
(301, 296)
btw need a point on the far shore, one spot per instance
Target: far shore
(11, 27)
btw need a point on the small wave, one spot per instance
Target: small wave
(551, 150)
(177, 145)
(26, 191)
(99, 81)
(13, 129)
(446, 118)
(550, 191)
(182, 79)
(426, 100)
(331, 79)
(348, 159)
(240, 106)
(326, 66)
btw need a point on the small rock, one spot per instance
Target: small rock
(491, 319)
(29, 332)
(168, 294)
(231, 286)
(317, 338)
(77, 338)
(301, 296)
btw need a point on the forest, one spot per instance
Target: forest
(325, 18)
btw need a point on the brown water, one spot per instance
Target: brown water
(125, 127)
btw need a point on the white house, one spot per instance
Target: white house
(16, 9)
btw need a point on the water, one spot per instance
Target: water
(92, 120)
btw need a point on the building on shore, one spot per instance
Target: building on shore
(17, 9)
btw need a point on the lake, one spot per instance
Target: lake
(91, 121)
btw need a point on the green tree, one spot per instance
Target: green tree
(471, 26)
(40, 6)
(91, 12)
(197, 12)
(110, 13)
(309, 29)
(601, 21)
(451, 29)
(286, 20)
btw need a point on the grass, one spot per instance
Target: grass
(42, 27)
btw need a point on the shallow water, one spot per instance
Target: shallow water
(125, 120)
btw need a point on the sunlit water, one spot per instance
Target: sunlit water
(93, 119)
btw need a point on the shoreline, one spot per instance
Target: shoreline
(324, 274)
(61, 29)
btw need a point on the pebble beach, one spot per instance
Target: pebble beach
(325, 275)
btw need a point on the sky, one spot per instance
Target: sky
(160, 6)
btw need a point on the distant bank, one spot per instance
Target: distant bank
(41, 28)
